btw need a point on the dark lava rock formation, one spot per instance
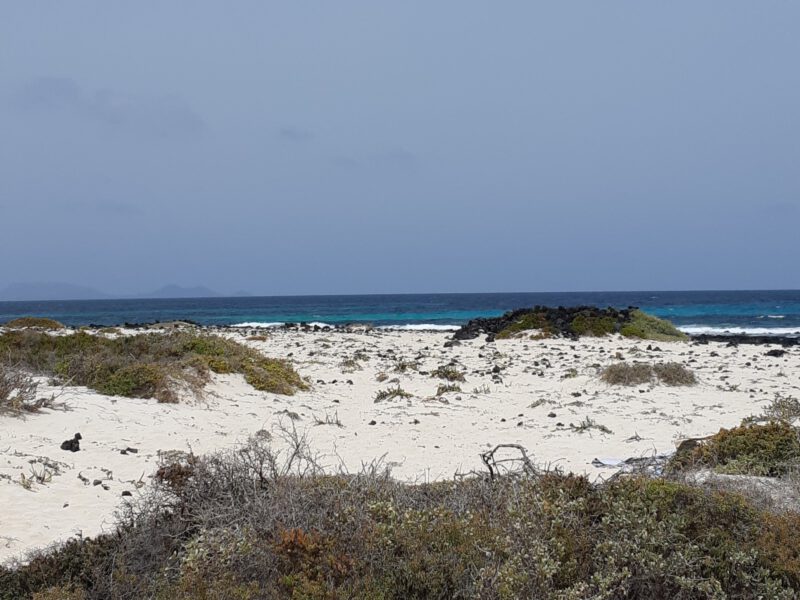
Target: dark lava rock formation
(559, 321)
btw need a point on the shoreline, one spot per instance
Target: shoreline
(780, 339)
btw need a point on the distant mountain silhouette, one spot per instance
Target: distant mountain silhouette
(51, 290)
(177, 291)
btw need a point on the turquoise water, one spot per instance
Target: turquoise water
(776, 312)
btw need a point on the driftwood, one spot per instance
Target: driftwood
(494, 465)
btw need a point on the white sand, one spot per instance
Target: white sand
(420, 438)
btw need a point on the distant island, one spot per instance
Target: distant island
(45, 291)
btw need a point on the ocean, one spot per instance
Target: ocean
(744, 312)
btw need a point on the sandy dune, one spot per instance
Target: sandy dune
(516, 391)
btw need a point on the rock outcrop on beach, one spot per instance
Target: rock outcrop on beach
(570, 322)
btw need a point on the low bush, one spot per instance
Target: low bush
(33, 322)
(585, 324)
(647, 327)
(782, 408)
(448, 372)
(769, 449)
(674, 374)
(627, 374)
(18, 393)
(148, 365)
(530, 321)
(572, 322)
(251, 523)
(630, 374)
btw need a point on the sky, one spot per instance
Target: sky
(389, 147)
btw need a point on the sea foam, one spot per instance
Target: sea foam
(421, 327)
(706, 330)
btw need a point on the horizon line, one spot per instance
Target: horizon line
(378, 294)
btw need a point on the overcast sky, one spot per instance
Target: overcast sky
(359, 147)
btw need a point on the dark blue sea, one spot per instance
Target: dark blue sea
(749, 312)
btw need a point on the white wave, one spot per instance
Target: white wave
(421, 327)
(259, 325)
(776, 316)
(702, 329)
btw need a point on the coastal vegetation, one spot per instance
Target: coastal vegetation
(448, 372)
(763, 449)
(630, 374)
(391, 394)
(298, 532)
(544, 322)
(535, 321)
(150, 365)
(647, 327)
(33, 322)
(19, 393)
(446, 388)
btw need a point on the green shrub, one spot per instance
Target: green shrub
(33, 322)
(448, 372)
(585, 324)
(648, 327)
(770, 449)
(534, 320)
(146, 365)
(250, 523)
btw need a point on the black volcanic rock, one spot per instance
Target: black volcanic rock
(776, 353)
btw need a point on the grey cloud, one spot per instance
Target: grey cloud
(164, 116)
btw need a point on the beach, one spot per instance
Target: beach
(543, 394)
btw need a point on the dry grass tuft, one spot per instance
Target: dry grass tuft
(18, 392)
(391, 394)
(630, 374)
(449, 373)
(674, 374)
